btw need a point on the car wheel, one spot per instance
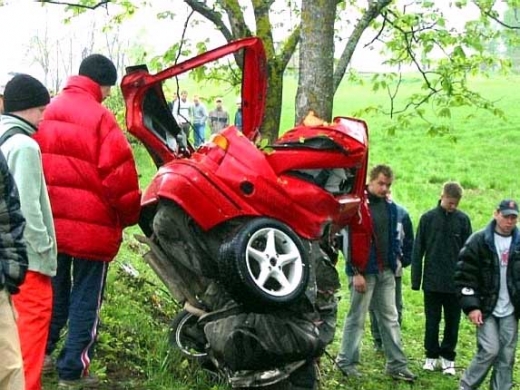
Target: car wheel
(187, 337)
(264, 263)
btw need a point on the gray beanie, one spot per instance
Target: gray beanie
(99, 69)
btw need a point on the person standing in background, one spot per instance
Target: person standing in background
(182, 112)
(200, 116)
(440, 236)
(25, 100)
(94, 193)
(238, 114)
(218, 118)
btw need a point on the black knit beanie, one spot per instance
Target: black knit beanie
(100, 69)
(23, 92)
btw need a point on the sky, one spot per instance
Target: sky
(23, 20)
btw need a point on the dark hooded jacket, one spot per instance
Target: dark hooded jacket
(369, 262)
(13, 254)
(477, 275)
(440, 237)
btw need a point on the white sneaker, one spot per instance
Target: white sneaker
(448, 366)
(430, 364)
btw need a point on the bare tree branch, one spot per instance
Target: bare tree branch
(374, 10)
(289, 47)
(414, 104)
(100, 4)
(379, 33)
(179, 51)
(493, 16)
(407, 37)
(184, 29)
(393, 94)
(239, 28)
(213, 16)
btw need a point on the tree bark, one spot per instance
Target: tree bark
(315, 83)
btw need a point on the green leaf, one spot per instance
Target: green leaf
(444, 112)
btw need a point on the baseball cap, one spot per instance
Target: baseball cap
(508, 207)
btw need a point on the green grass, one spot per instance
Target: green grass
(485, 158)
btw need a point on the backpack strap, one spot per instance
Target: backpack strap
(9, 133)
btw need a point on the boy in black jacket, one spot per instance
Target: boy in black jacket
(441, 234)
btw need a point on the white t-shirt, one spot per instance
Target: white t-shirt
(504, 307)
(182, 111)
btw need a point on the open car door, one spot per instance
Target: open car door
(149, 118)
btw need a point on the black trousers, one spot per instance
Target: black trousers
(434, 304)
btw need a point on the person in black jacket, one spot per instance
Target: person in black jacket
(487, 280)
(13, 266)
(441, 233)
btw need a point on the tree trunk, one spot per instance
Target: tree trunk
(315, 84)
(273, 106)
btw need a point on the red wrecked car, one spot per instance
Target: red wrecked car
(241, 235)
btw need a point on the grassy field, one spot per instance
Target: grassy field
(133, 351)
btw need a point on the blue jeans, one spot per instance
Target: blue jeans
(496, 344)
(78, 289)
(381, 292)
(374, 326)
(199, 133)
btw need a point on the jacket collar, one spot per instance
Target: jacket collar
(85, 84)
(489, 232)
(9, 121)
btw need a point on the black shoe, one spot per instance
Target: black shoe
(350, 372)
(86, 382)
(404, 374)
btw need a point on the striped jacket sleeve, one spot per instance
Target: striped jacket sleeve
(13, 254)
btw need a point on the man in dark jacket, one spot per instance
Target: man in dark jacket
(94, 193)
(376, 283)
(487, 281)
(13, 266)
(441, 234)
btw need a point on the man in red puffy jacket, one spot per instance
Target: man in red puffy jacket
(94, 192)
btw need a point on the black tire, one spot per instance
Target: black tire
(187, 337)
(264, 264)
(182, 239)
